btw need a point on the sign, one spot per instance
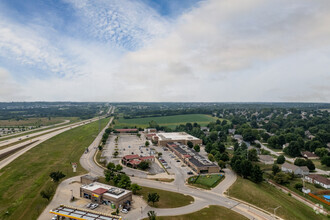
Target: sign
(94, 195)
(74, 167)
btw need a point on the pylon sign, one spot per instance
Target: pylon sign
(74, 167)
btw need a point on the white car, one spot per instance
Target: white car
(55, 217)
(124, 211)
(89, 205)
(94, 206)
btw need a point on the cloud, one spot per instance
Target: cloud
(9, 89)
(230, 50)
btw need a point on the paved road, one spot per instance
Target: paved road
(40, 139)
(32, 130)
(318, 171)
(202, 197)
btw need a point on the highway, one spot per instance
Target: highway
(202, 198)
(39, 140)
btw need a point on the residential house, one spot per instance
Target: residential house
(266, 159)
(291, 168)
(318, 179)
(309, 155)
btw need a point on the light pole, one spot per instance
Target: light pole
(71, 194)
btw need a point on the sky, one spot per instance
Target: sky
(165, 50)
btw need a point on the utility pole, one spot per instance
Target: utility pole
(99, 124)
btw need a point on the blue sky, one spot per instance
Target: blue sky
(165, 50)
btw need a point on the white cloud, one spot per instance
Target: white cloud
(230, 50)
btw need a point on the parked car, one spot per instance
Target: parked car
(89, 205)
(124, 211)
(190, 173)
(177, 160)
(94, 206)
(54, 217)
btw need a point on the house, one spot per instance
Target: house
(305, 190)
(134, 160)
(318, 179)
(290, 168)
(309, 155)
(266, 159)
(127, 130)
(238, 137)
(231, 131)
(150, 130)
(150, 135)
(205, 129)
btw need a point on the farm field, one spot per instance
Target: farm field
(168, 121)
(206, 181)
(266, 197)
(212, 212)
(22, 180)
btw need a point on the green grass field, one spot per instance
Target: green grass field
(206, 181)
(166, 199)
(32, 121)
(266, 197)
(22, 180)
(168, 121)
(318, 165)
(212, 212)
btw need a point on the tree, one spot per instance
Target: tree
(153, 197)
(211, 157)
(252, 155)
(321, 152)
(300, 162)
(152, 215)
(197, 148)
(100, 147)
(326, 161)
(47, 193)
(190, 144)
(293, 149)
(280, 159)
(281, 178)
(276, 169)
(246, 168)
(256, 174)
(224, 156)
(221, 164)
(144, 165)
(213, 136)
(147, 143)
(115, 154)
(118, 167)
(135, 188)
(310, 165)
(111, 166)
(56, 176)
(298, 186)
(124, 182)
(138, 135)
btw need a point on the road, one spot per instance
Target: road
(39, 140)
(202, 197)
(318, 171)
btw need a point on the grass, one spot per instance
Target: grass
(206, 181)
(318, 165)
(22, 180)
(166, 199)
(266, 197)
(212, 212)
(168, 121)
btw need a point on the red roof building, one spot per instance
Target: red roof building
(127, 130)
(100, 191)
(131, 157)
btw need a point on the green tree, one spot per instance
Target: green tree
(280, 159)
(118, 167)
(124, 182)
(310, 165)
(153, 197)
(246, 168)
(144, 165)
(221, 164)
(47, 193)
(111, 166)
(321, 152)
(281, 178)
(56, 176)
(252, 155)
(147, 143)
(197, 148)
(100, 147)
(115, 154)
(211, 157)
(276, 169)
(300, 162)
(152, 215)
(326, 161)
(190, 144)
(135, 188)
(256, 174)
(298, 186)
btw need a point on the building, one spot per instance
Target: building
(88, 179)
(134, 160)
(104, 194)
(193, 159)
(291, 168)
(150, 130)
(182, 137)
(127, 130)
(309, 155)
(318, 179)
(150, 135)
(69, 212)
(266, 159)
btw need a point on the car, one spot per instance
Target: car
(190, 173)
(124, 211)
(94, 206)
(54, 217)
(129, 146)
(89, 205)
(177, 160)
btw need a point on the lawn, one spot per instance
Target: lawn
(267, 197)
(206, 181)
(22, 180)
(168, 121)
(212, 212)
(166, 199)
(318, 165)
(32, 122)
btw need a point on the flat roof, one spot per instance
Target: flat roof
(112, 191)
(176, 136)
(82, 214)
